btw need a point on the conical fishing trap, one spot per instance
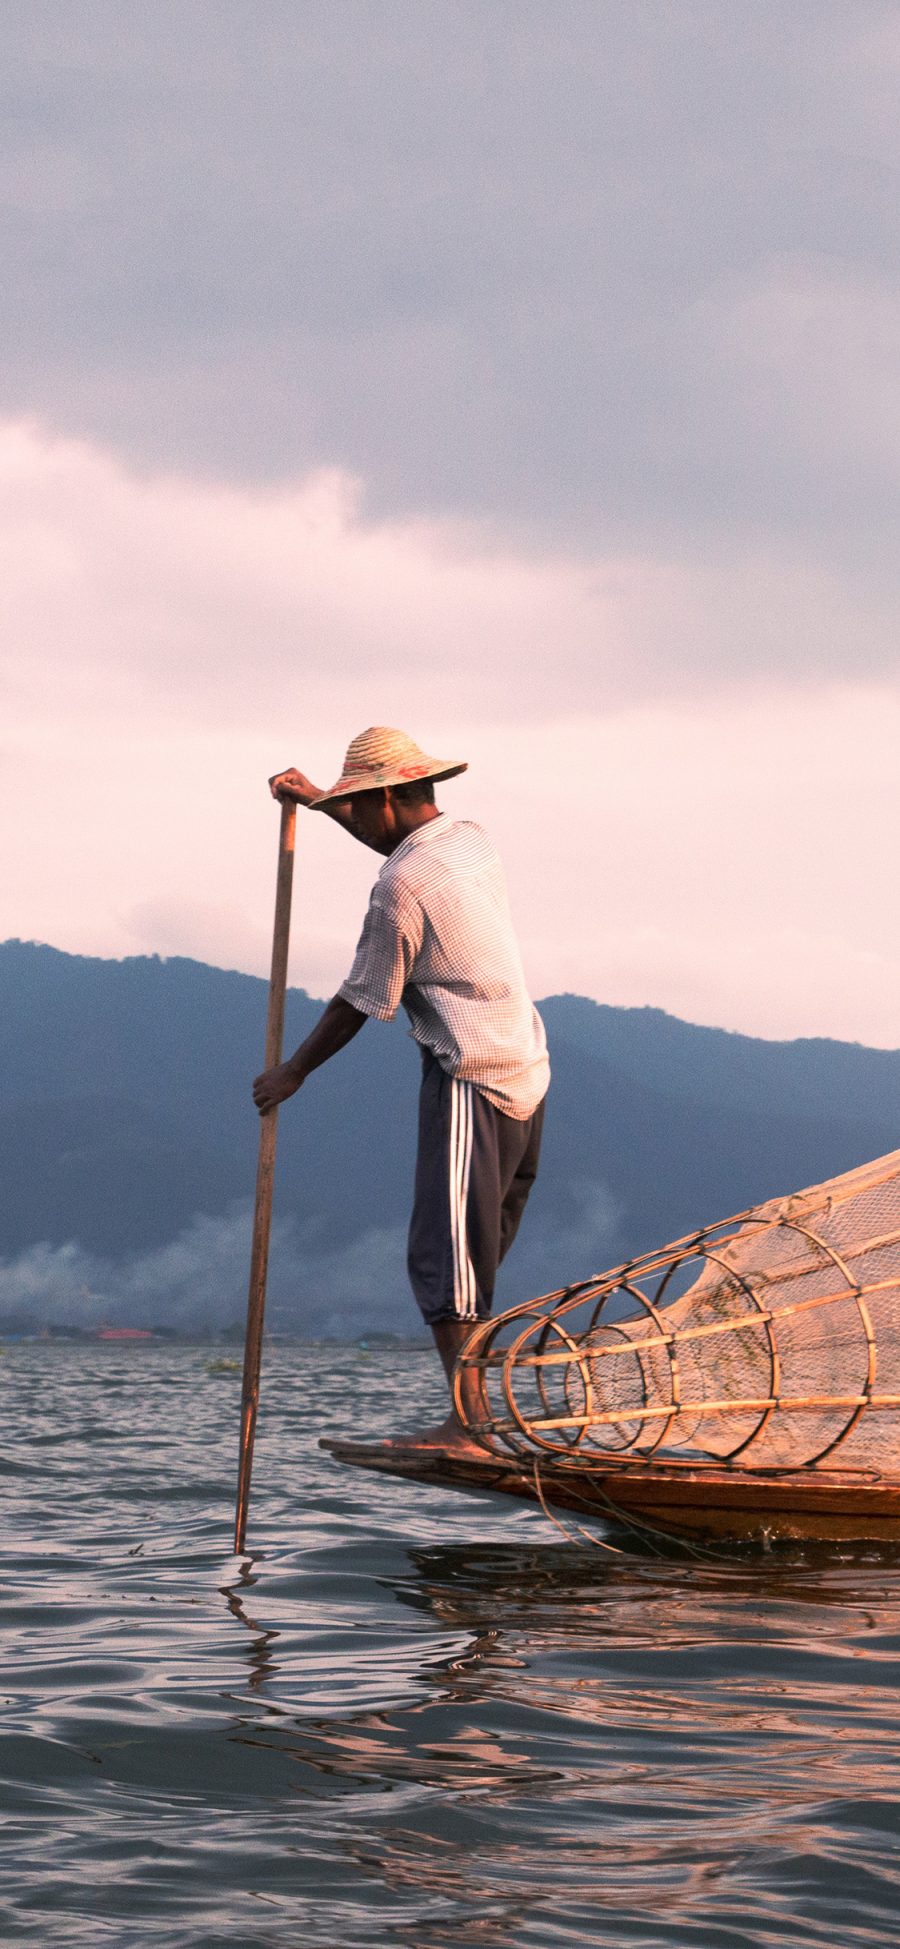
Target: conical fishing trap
(771, 1340)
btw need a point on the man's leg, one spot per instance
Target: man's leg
(450, 1337)
(454, 1235)
(517, 1191)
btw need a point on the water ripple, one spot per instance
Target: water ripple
(410, 1718)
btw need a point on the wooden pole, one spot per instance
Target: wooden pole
(265, 1170)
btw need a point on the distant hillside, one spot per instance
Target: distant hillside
(127, 1135)
(716, 1066)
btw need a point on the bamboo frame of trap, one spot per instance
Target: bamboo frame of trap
(549, 1339)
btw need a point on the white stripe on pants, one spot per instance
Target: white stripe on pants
(461, 1134)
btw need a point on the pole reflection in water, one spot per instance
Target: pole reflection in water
(262, 1666)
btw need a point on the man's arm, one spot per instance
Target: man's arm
(334, 1029)
(292, 784)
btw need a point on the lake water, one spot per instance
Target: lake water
(413, 1718)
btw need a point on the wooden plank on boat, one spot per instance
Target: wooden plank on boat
(679, 1498)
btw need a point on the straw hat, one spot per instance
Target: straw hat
(381, 756)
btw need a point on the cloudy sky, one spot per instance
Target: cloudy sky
(522, 372)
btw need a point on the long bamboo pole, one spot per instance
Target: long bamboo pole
(265, 1170)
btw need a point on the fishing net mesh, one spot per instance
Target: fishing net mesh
(772, 1339)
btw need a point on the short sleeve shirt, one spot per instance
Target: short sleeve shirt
(438, 938)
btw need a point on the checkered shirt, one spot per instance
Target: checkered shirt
(438, 937)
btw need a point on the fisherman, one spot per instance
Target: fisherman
(437, 937)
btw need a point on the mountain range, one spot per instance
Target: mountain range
(128, 1143)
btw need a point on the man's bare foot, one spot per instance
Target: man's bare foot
(451, 1437)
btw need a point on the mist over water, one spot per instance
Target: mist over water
(196, 1283)
(407, 1717)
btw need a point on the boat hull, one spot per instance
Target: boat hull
(705, 1502)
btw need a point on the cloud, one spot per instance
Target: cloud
(491, 268)
(165, 600)
(807, 351)
(690, 769)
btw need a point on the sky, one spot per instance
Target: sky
(525, 375)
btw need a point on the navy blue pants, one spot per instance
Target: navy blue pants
(474, 1171)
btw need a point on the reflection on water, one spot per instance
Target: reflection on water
(407, 1717)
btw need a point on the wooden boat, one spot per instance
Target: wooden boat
(740, 1384)
(677, 1499)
